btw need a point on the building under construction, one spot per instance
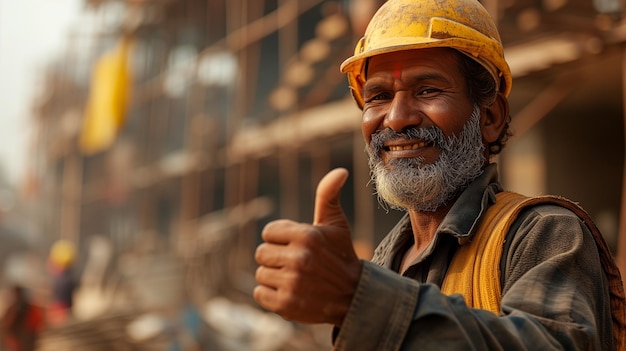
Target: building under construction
(226, 113)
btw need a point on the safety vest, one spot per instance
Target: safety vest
(475, 269)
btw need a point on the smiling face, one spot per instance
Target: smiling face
(416, 88)
(424, 133)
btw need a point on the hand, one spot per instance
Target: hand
(309, 272)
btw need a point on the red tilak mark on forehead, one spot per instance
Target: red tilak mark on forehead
(397, 72)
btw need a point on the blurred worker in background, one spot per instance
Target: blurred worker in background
(470, 266)
(22, 321)
(60, 264)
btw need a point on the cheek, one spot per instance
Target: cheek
(450, 120)
(369, 125)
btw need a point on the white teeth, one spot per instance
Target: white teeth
(407, 147)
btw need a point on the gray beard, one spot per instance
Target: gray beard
(408, 184)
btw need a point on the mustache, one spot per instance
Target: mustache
(432, 135)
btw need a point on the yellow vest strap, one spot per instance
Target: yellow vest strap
(475, 268)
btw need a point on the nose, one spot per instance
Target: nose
(402, 112)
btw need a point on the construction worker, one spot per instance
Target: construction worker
(470, 266)
(22, 323)
(64, 284)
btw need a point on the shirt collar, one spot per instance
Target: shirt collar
(463, 217)
(460, 222)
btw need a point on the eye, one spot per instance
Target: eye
(428, 91)
(379, 97)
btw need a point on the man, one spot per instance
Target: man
(64, 285)
(469, 266)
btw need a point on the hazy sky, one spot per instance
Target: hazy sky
(32, 32)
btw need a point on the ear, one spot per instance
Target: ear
(493, 120)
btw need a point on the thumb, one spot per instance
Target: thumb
(328, 211)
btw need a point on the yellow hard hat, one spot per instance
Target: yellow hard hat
(401, 25)
(62, 253)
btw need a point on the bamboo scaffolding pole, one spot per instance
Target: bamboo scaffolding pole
(289, 185)
(621, 238)
(363, 201)
(236, 17)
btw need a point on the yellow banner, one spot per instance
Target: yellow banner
(108, 97)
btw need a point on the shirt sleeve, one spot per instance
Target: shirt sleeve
(555, 297)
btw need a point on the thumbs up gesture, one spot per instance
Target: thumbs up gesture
(309, 272)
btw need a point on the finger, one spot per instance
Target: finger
(271, 255)
(265, 296)
(270, 277)
(281, 231)
(327, 207)
(278, 301)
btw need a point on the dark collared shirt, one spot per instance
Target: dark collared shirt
(554, 292)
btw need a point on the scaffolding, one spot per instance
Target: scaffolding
(238, 109)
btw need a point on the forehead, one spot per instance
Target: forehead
(443, 60)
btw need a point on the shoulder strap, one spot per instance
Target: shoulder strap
(475, 269)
